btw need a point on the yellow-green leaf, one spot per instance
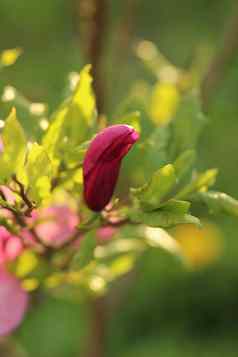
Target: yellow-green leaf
(14, 147)
(200, 182)
(151, 195)
(39, 172)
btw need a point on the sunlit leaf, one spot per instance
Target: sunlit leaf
(54, 135)
(162, 218)
(39, 171)
(151, 195)
(219, 202)
(71, 123)
(14, 147)
(81, 110)
(200, 182)
(176, 206)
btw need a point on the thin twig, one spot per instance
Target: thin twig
(22, 193)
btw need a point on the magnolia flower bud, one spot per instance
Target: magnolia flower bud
(102, 163)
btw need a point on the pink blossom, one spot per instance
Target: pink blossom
(10, 246)
(102, 163)
(13, 302)
(54, 225)
(105, 233)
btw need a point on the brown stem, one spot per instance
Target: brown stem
(24, 197)
(218, 66)
(93, 17)
(95, 49)
(127, 26)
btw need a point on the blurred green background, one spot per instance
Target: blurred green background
(169, 311)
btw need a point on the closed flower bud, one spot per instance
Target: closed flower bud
(102, 163)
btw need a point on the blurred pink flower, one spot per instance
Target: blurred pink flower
(105, 233)
(10, 246)
(8, 194)
(1, 145)
(102, 163)
(54, 225)
(13, 302)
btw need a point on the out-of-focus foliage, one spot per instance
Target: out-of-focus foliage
(195, 303)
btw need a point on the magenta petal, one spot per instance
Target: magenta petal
(100, 184)
(13, 302)
(102, 163)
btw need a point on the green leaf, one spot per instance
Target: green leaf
(200, 182)
(39, 173)
(14, 147)
(218, 202)
(71, 123)
(86, 251)
(82, 108)
(162, 218)
(184, 163)
(176, 206)
(187, 125)
(151, 194)
(53, 137)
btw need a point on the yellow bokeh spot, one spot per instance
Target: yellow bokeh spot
(97, 284)
(199, 246)
(54, 280)
(74, 277)
(30, 284)
(26, 263)
(121, 265)
(9, 57)
(164, 101)
(78, 176)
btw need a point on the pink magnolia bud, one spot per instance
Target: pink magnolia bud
(102, 163)
(10, 246)
(13, 302)
(54, 225)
